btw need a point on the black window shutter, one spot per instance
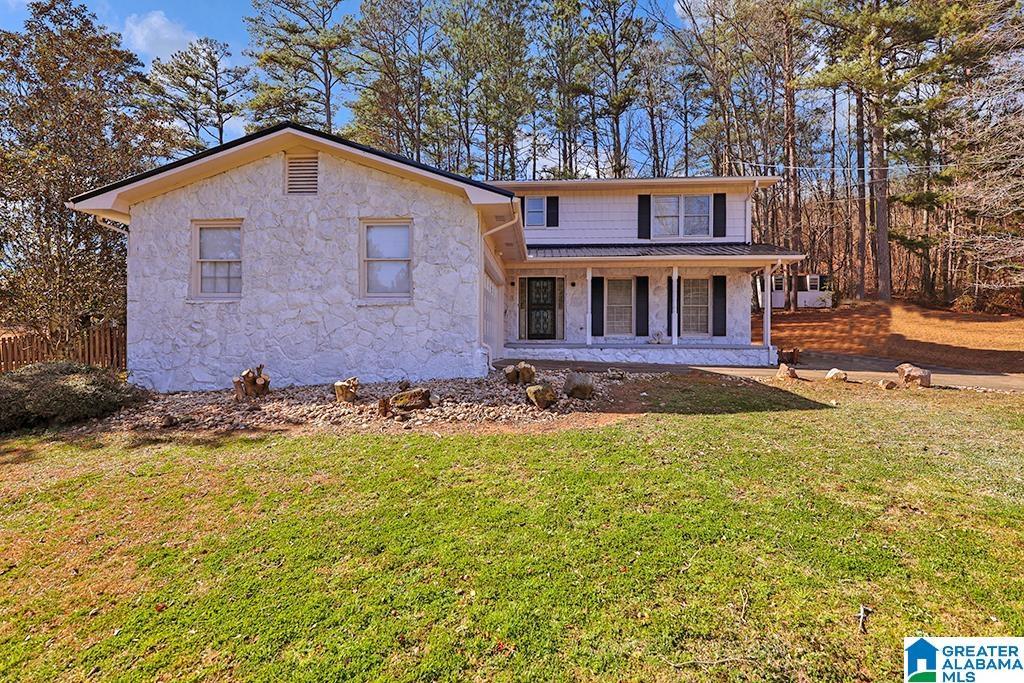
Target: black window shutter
(643, 216)
(718, 306)
(597, 306)
(642, 314)
(719, 216)
(552, 204)
(668, 318)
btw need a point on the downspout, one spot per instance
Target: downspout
(509, 224)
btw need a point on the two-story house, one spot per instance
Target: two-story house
(323, 258)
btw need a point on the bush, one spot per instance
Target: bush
(61, 393)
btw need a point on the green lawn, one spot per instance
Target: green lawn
(731, 535)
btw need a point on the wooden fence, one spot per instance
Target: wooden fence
(105, 345)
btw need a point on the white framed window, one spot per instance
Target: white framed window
(697, 215)
(813, 283)
(387, 259)
(682, 215)
(217, 266)
(536, 212)
(778, 282)
(696, 306)
(618, 308)
(666, 216)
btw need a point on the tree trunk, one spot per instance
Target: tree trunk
(792, 172)
(862, 208)
(880, 185)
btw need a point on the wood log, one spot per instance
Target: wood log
(249, 381)
(345, 391)
(262, 385)
(384, 407)
(239, 388)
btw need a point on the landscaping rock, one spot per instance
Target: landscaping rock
(911, 374)
(579, 385)
(615, 374)
(527, 373)
(887, 384)
(837, 375)
(511, 374)
(411, 399)
(786, 372)
(541, 395)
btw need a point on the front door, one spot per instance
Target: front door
(540, 308)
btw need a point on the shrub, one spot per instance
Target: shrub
(61, 393)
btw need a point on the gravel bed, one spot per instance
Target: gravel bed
(489, 399)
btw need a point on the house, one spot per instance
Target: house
(921, 657)
(323, 258)
(813, 290)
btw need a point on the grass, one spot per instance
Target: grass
(732, 534)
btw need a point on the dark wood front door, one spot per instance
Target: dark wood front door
(540, 308)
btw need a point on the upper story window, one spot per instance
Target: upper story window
(690, 212)
(536, 212)
(387, 260)
(218, 263)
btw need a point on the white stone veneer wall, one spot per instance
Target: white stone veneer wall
(300, 311)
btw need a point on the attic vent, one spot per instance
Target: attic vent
(302, 173)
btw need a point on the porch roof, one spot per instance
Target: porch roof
(674, 251)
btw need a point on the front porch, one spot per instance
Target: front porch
(680, 313)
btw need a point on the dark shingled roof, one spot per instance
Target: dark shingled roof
(604, 250)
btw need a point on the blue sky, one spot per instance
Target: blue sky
(156, 29)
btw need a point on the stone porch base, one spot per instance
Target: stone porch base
(661, 354)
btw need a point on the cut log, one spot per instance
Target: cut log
(262, 385)
(249, 382)
(384, 407)
(239, 388)
(345, 391)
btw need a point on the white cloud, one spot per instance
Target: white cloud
(154, 35)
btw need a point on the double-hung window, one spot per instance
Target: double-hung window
(218, 266)
(619, 308)
(695, 311)
(686, 215)
(536, 212)
(387, 260)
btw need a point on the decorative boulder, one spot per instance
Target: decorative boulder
(527, 373)
(837, 375)
(541, 395)
(911, 374)
(887, 384)
(411, 399)
(786, 372)
(615, 373)
(345, 391)
(579, 385)
(511, 374)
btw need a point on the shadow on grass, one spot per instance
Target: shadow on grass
(704, 393)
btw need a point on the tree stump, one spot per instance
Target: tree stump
(345, 391)
(251, 383)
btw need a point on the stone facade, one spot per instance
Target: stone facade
(300, 311)
(719, 355)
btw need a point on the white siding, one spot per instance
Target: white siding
(610, 217)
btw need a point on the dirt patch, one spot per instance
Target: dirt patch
(901, 331)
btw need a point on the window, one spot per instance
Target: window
(695, 313)
(697, 215)
(535, 212)
(618, 313)
(387, 264)
(666, 216)
(778, 282)
(302, 173)
(813, 284)
(218, 249)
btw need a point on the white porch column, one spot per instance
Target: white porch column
(675, 305)
(590, 273)
(766, 297)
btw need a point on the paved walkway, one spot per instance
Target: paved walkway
(814, 365)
